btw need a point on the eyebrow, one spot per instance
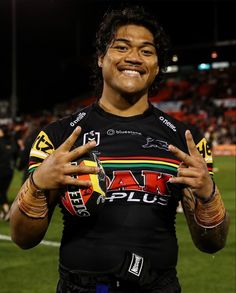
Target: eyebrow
(128, 41)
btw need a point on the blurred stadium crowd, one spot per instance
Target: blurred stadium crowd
(205, 98)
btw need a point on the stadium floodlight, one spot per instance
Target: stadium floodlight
(204, 66)
(214, 54)
(175, 58)
(220, 65)
(172, 68)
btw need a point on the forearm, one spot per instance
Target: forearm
(208, 222)
(26, 232)
(30, 215)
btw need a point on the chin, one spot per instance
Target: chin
(133, 96)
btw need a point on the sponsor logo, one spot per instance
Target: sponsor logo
(167, 123)
(111, 132)
(42, 144)
(122, 132)
(90, 136)
(137, 197)
(125, 186)
(74, 203)
(78, 118)
(156, 143)
(136, 264)
(153, 182)
(73, 200)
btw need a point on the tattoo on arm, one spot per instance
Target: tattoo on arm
(208, 238)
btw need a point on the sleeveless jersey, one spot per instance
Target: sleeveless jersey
(140, 207)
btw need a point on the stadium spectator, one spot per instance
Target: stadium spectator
(7, 165)
(29, 137)
(130, 244)
(33, 126)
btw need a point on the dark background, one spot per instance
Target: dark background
(55, 42)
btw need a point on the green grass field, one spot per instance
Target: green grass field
(35, 270)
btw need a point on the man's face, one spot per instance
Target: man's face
(130, 64)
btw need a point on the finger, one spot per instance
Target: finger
(81, 150)
(70, 141)
(193, 151)
(188, 181)
(183, 165)
(77, 182)
(71, 169)
(182, 156)
(188, 172)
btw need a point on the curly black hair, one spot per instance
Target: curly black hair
(112, 20)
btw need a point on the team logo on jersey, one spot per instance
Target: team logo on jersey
(92, 135)
(155, 143)
(204, 149)
(42, 146)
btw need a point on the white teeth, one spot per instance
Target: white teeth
(131, 72)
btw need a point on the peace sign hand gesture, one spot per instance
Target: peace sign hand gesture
(193, 170)
(56, 170)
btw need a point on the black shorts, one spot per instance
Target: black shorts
(71, 282)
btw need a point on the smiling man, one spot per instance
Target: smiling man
(151, 162)
(129, 67)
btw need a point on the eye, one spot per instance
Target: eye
(121, 48)
(147, 52)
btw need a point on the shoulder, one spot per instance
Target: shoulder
(173, 125)
(59, 130)
(51, 136)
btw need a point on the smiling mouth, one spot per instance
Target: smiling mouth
(132, 73)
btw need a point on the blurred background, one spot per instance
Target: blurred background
(47, 49)
(46, 54)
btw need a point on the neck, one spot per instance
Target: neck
(124, 106)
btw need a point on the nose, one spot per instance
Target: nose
(133, 56)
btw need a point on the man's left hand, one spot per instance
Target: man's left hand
(193, 170)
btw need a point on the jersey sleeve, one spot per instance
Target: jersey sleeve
(52, 136)
(41, 148)
(203, 148)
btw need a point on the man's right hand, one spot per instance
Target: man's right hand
(56, 170)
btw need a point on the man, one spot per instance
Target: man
(151, 161)
(7, 164)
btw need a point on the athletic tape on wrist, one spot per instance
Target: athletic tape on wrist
(211, 213)
(31, 201)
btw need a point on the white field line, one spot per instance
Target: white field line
(43, 242)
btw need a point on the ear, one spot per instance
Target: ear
(157, 70)
(100, 61)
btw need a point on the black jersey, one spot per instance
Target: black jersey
(140, 208)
